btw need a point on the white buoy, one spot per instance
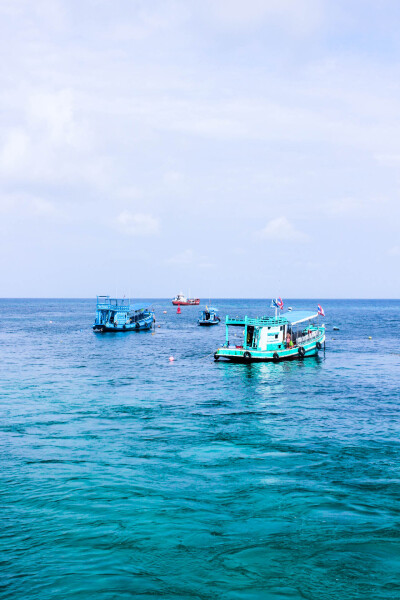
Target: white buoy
(165, 312)
(171, 359)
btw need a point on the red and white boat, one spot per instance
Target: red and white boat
(181, 300)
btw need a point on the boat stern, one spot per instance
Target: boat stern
(233, 353)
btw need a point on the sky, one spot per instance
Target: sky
(230, 148)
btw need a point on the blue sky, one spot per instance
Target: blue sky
(234, 148)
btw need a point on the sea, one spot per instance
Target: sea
(124, 474)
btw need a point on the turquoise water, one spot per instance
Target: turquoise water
(123, 475)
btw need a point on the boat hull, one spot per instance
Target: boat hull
(195, 302)
(142, 325)
(275, 355)
(208, 323)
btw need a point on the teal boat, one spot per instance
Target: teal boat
(294, 334)
(118, 314)
(209, 316)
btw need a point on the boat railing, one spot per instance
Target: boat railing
(256, 321)
(308, 337)
(115, 307)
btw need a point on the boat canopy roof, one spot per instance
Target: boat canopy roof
(137, 307)
(119, 304)
(291, 317)
(298, 316)
(210, 309)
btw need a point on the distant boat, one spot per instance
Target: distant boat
(117, 314)
(183, 301)
(294, 334)
(335, 328)
(209, 316)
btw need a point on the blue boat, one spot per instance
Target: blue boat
(294, 334)
(209, 316)
(116, 314)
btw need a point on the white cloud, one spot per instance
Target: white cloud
(174, 179)
(189, 257)
(48, 141)
(282, 230)
(53, 114)
(388, 159)
(298, 16)
(186, 257)
(25, 205)
(354, 207)
(130, 193)
(14, 151)
(138, 224)
(151, 19)
(343, 206)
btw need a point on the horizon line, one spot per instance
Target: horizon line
(205, 298)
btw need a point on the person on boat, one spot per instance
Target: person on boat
(288, 340)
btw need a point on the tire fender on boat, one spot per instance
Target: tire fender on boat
(318, 345)
(301, 351)
(137, 326)
(216, 356)
(247, 356)
(275, 357)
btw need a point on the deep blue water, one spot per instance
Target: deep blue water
(123, 475)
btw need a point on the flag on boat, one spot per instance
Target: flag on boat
(278, 302)
(321, 311)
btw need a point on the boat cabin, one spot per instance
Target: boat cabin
(209, 316)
